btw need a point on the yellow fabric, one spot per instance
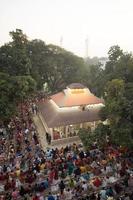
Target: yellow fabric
(104, 162)
(18, 172)
(42, 166)
(83, 169)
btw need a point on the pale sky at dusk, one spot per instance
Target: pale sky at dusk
(104, 22)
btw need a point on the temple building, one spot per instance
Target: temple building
(73, 108)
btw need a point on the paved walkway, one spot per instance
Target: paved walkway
(41, 132)
(65, 141)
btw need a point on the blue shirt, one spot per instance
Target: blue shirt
(50, 197)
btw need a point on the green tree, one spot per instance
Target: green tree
(7, 104)
(37, 53)
(118, 110)
(115, 53)
(117, 88)
(54, 65)
(13, 56)
(94, 79)
(23, 86)
(88, 137)
(14, 89)
(62, 68)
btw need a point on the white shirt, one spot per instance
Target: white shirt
(103, 194)
(68, 195)
(85, 186)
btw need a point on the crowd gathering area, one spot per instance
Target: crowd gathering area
(27, 172)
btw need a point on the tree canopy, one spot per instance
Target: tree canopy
(115, 84)
(29, 64)
(53, 65)
(15, 79)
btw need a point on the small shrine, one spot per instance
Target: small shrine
(73, 108)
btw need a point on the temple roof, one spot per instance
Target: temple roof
(55, 118)
(57, 110)
(73, 96)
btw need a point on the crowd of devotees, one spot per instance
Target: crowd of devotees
(28, 172)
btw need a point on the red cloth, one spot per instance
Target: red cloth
(2, 177)
(35, 198)
(97, 182)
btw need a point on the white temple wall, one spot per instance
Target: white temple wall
(75, 108)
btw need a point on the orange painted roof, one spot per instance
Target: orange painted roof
(75, 99)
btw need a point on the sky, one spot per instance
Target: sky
(103, 23)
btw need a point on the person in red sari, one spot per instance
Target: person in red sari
(51, 175)
(97, 182)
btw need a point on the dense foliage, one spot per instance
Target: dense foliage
(53, 65)
(118, 95)
(117, 90)
(16, 83)
(99, 135)
(26, 64)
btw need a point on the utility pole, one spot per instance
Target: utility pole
(61, 41)
(86, 47)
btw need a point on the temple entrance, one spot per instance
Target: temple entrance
(71, 130)
(66, 131)
(59, 133)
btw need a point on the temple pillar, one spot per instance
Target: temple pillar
(94, 123)
(81, 125)
(93, 126)
(66, 131)
(51, 133)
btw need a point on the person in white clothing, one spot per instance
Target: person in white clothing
(85, 186)
(68, 194)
